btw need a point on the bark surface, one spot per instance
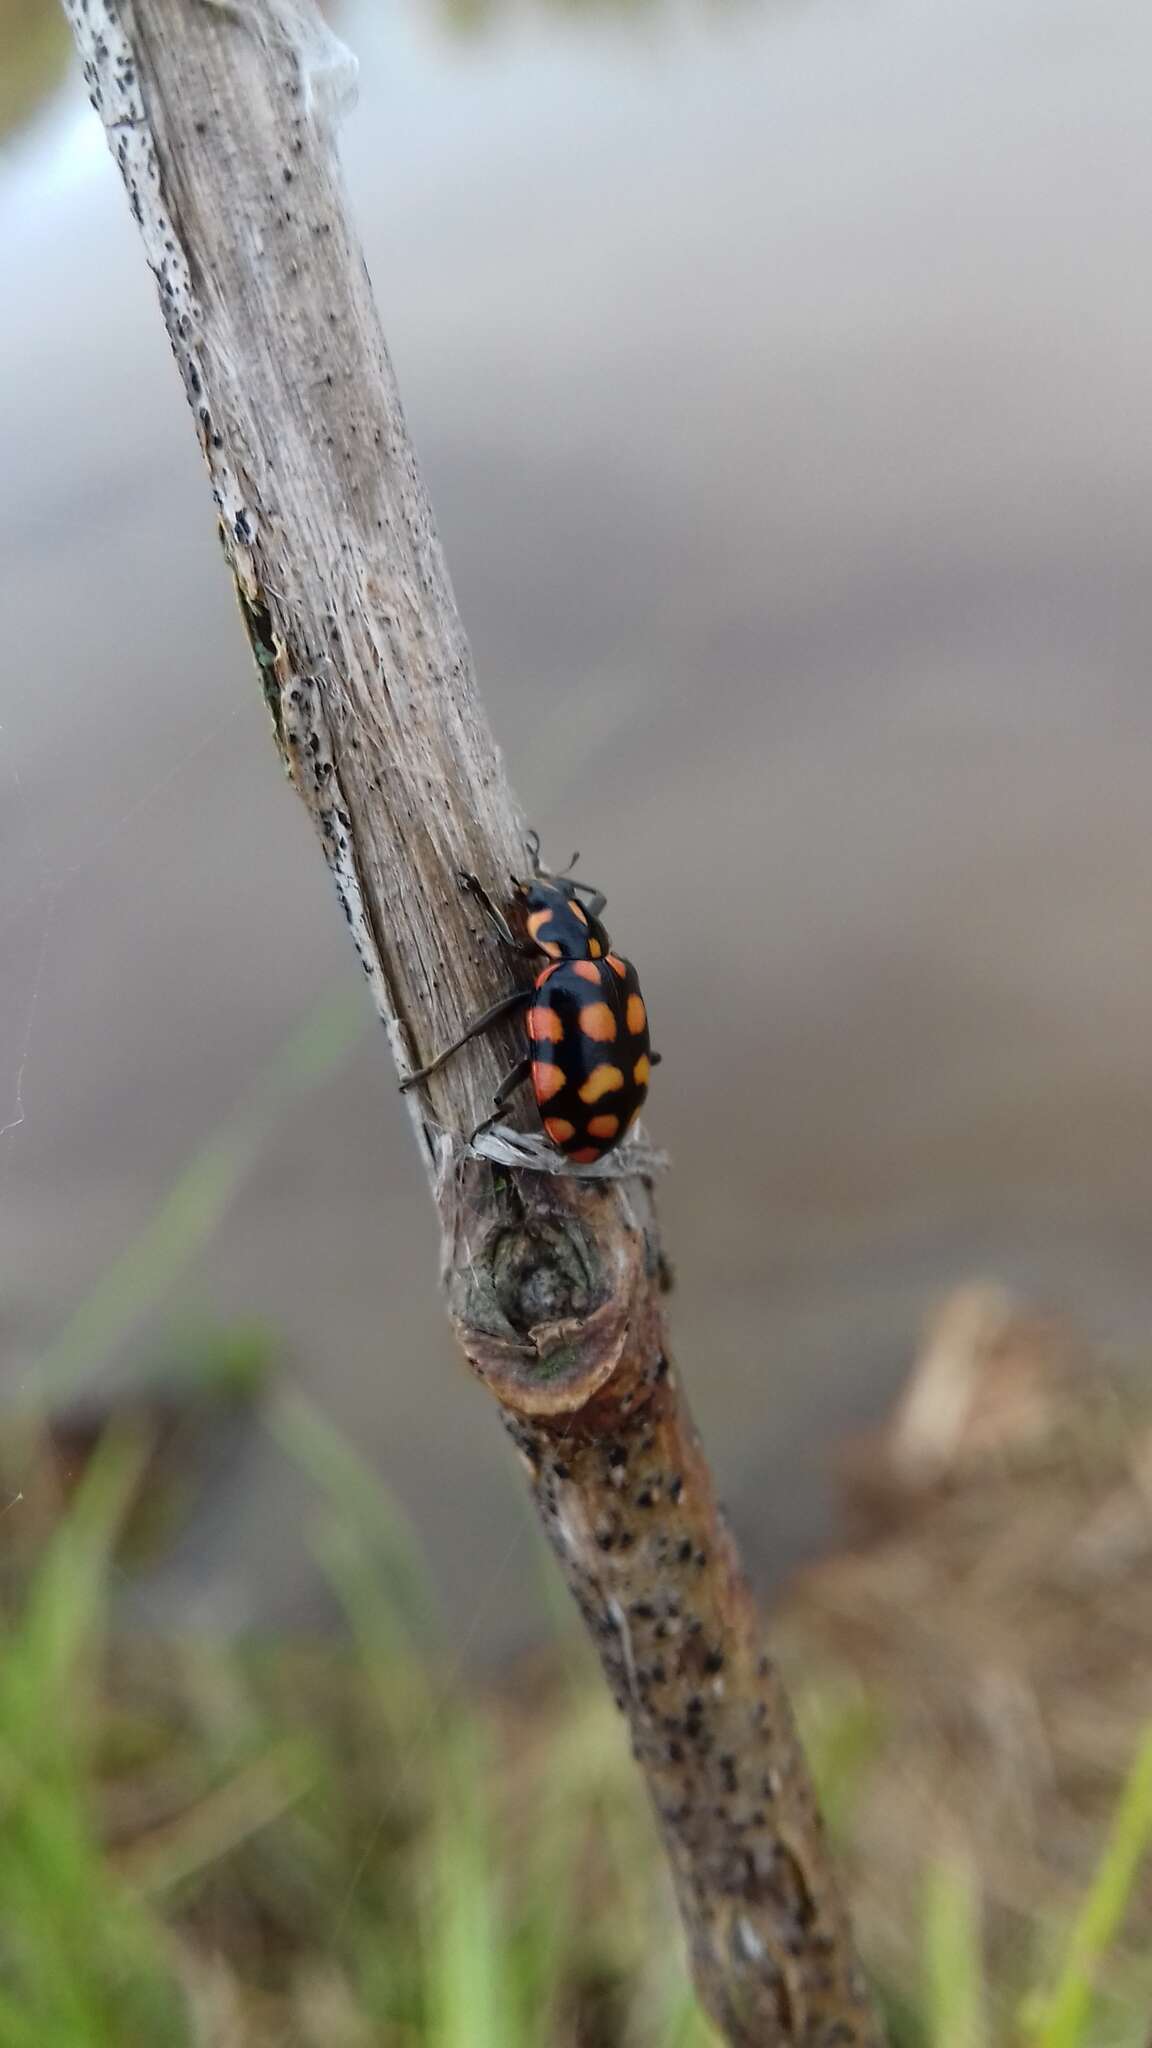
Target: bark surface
(221, 118)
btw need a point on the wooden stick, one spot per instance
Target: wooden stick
(221, 117)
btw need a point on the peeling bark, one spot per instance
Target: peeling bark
(221, 119)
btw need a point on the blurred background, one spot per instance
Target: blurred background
(779, 369)
(780, 374)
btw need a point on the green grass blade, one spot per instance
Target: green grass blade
(370, 1524)
(81, 1962)
(195, 1204)
(63, 1606)
(22, 2029)
(688, 2027)
(469, 2002)
(1059, 2020)
(952, 1964)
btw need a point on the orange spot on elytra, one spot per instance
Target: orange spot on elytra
(641, 1072)
(544, 1023)
(597, 1021)
(586, 971)
(550, 947)
(559, 1129)
(547, 1081)
(636, 1015)
(595, 948)
(603, 1126)
(578, 911)
(587, 1155)
(537, 922)
(601, 1081)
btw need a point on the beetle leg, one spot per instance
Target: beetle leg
(654, 1059)
(496, 918)
(484, 1022)
(513, 1079)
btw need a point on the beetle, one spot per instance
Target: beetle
(589, 1057)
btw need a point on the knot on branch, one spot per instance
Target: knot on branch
(542, 1275)
(545, 1305)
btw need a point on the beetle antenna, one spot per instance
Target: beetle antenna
(532, 844)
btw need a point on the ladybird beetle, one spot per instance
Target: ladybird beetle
(588, 1057)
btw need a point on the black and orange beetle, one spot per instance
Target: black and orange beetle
(589, 1058)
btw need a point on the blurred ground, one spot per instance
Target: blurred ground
(281, 1842)
(780, 376)
(993, 1609)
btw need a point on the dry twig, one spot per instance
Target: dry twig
(220, 114)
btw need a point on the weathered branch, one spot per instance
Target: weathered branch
(220, 117)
